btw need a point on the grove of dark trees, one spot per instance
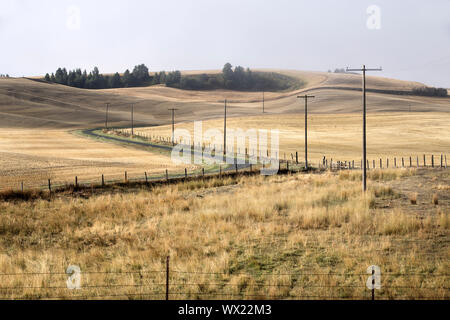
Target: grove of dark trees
(95, 80)
(430, 91)
(236, 78)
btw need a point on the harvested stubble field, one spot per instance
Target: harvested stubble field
(33, 156)
(35, 116)
(339, 136)
(298, 236)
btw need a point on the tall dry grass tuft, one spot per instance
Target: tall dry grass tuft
(435, 199)
(413, 198)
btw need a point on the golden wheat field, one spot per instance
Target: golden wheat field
(339, 136)
(34, 156)
(298, 236)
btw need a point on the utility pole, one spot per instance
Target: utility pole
(306, 127)
(106, 116)
(132, 120)
(263, 101)
(225, 129)
(173, 125)
(364, 162)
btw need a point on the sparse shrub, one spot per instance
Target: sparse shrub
(435, 199)
(384, 192)
(413, 198)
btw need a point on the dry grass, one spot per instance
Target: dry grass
(413, 198)
(244, 237)
(435, 199)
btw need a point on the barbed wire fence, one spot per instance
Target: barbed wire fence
(253, 163)
(175, 284)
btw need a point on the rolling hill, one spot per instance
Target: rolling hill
(28, 103)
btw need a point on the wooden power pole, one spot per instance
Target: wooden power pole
(173, 125)
(364, 161)
(132, 120)
(106, 115)
(225, 129)
(263, 101)
(306, 127)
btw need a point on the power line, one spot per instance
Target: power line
(306, 127)
(364, 161)
(173, 125)
(132, 116)
(225, 129)
(263, 102)
(106, 116)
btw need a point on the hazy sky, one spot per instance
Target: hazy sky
(409, 39)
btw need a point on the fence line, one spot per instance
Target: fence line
(285, 166)
(172, 285)
(251, 158)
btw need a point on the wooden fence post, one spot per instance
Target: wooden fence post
(185, 173)
(236, 167)
(146, 178)
(432, 161)
(373, 283)
(387, 163)
(424, 161)
(442, 161)
(167, 277)
(403, 163)
(126, 177)
(167, 175)
(417, 161)
(395, 162)
(103, 180)
(296, 157)
(410, 161)
(203, 172)
(374, 164)
(49, 186)
(76, 182)
(21, 186)
(381, 164)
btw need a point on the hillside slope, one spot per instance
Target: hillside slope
(26, 103)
